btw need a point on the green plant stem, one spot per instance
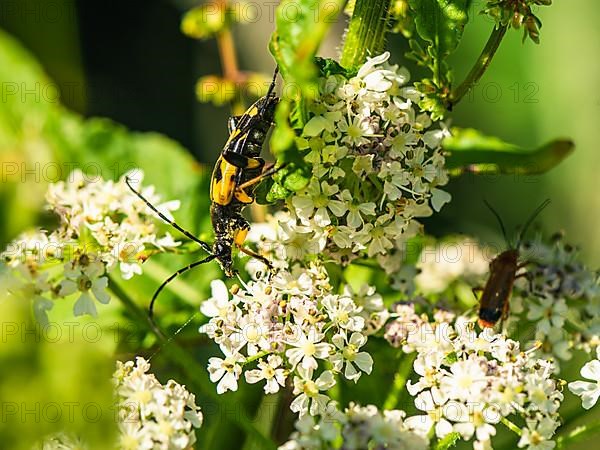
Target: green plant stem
(195, 374)
(578, 434)
(366, 32)
(133, 308)
(511, 426)
(481, 65)
(228, 57)
(265, 417)
(400, 379)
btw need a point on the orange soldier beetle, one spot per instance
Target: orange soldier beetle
(495, 299)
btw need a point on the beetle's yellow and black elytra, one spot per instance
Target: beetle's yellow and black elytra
(236, 173)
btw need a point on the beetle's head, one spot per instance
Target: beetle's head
(222, 251)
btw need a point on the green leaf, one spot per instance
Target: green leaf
(289, 179)
(441, 23)
(470, 150)
(328, 66)
(283, 136)
(448, 441)
(301, 27)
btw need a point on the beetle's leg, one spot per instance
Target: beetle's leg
(240, 192)
(243, 197)
(475, 290)
(266, 173)
(255, 255)
(242, 228)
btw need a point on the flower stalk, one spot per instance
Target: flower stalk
(578, 434)
(400, 379)
(228, 57)
(481, 65)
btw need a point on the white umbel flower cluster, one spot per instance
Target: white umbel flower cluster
(468, 383)
(357, 428)
(153, 416)
(377, 165)
(118, 223)
(103, 225)
(558, 293)
(294, 327)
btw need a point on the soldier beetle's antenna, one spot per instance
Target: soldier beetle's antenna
(497, 216)
(534, 214)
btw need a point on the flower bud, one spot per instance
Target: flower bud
(205, 21)
(215, 90)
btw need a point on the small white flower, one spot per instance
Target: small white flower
(349, 355)
(309, 398)
(549, 313)
(537, 435)
(466, 380)
(226, 371)
(356, 130)
(314, 204)
(472, 419)
(588, 391)
(252, 333)
(432, 403)
(307, 348)
(343, 312)
(84, 276)
(270, 371)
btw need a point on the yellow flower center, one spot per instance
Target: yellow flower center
(350, 352)
(309, 349)
(310, 388)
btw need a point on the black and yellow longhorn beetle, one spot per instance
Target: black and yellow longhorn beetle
(236, 173)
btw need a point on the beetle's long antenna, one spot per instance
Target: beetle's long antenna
(497, 216)
(535, 213)
(202, 244)
(273, 81)
(270, 91)
(170, 339)
(171, 278)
